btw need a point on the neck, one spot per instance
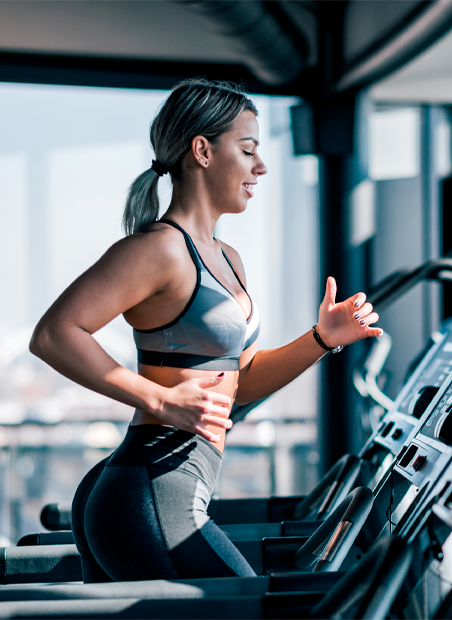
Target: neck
(192, 209)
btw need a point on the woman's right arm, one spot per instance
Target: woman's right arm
(120, 280)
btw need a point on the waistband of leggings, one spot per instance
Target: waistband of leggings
(152, 431)
(169, 448)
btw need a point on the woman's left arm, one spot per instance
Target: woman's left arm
(264, 372)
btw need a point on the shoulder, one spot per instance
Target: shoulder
(235, 259)
(160, 251)
(159, 243)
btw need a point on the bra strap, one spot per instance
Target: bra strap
(188, 240)
(233, 270)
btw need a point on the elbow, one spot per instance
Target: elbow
(35, 345)
(41, 341)
(241, 400)
(244, 398)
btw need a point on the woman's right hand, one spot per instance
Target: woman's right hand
(191, 406)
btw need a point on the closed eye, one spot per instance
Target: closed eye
(248, 153)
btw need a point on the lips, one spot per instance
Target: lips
(248, 190)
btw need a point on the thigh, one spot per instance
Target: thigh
(145, 523)
(123, 528)
(92, 571)
(197, 546)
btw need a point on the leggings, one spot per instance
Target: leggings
(142, 512)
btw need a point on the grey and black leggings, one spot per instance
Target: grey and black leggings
(141, 513)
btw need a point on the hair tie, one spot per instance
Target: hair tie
(159, 168)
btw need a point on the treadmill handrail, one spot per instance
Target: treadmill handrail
(334, 487)
(327, 548)
(369, 589)
(399, 283)
(385, 293)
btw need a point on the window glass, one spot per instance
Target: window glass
(394, 144)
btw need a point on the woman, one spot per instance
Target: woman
(141, 514)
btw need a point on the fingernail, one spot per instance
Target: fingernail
(357, 304)
(221, 374)
(356, 316)
(381, 332)
(363, 322)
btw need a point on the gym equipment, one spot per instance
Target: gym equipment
(370, 589)
(46, 538)
(402, 494)
(367, 591)
(56, 517)
(427, 527)
(324, 551)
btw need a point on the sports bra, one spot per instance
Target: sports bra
(210, 333)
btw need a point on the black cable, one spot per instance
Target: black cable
(391, 503)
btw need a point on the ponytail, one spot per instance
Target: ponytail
(142, 203)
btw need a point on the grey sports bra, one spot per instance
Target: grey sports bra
(210, 333)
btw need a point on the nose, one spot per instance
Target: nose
(260, 167)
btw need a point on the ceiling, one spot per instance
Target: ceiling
(154, 43)
(159, 30)
(156, 37)
(427, 79)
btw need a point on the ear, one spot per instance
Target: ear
(201, 150)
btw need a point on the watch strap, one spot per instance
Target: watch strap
(322, 344)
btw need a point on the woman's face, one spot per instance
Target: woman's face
(235, 166)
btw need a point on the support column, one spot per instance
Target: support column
(330, 128)
(339, 425)
(430, 119)
(344, 234)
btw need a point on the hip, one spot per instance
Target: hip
(164, 449)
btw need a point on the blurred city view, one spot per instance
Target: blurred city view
(67, 157)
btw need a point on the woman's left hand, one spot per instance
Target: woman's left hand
(347, 321)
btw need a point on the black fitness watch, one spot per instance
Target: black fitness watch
(322, 344)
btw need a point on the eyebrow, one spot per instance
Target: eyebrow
(256, 142)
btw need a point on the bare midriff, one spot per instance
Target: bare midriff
(169, 377)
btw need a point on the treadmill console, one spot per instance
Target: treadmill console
(416, 396)
(433, 441)
(438, 426)
(396, 434)
(416, 401)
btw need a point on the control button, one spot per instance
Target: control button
(387, 429)
(408, 455)
(397, 434)
(443, 429)
(422, 400)
(419, 462)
